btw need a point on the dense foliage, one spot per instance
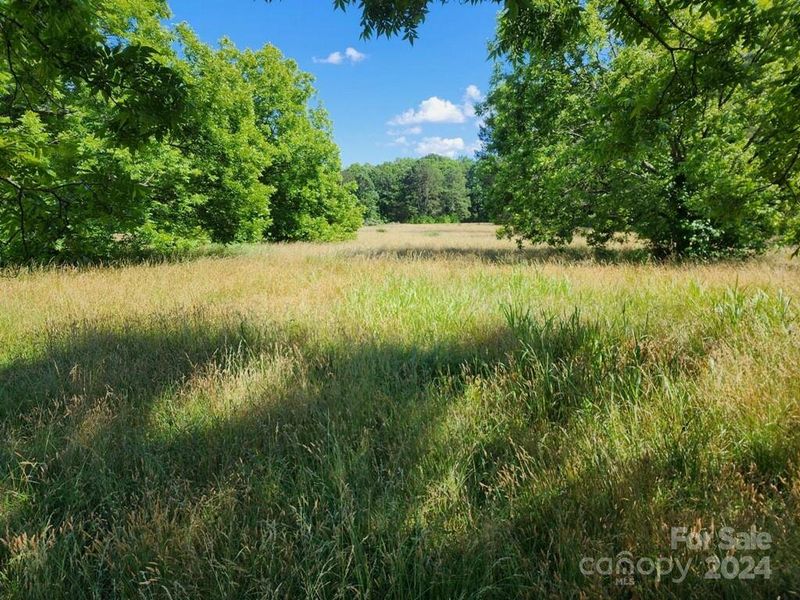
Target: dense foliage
(619, 131)
(425, 190)
(119, 135)
(675, 120)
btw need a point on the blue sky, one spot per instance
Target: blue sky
(386, 98)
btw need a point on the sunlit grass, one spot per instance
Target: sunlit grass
(424, 412)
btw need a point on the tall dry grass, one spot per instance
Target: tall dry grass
(424, 412)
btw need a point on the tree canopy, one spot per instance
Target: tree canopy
(676, 120)
(669, 120)
(120, 135)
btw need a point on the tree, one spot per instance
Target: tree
(84, 89)
(541, 171)
(309, 199)
(454, 196)
(568, 148)
(55, 46)
(479, 183)
(122, 136)
(226, 150)
(429, 189)
(392, 199)
(360, 176)
(424, 186)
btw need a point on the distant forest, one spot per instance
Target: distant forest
(432, 189)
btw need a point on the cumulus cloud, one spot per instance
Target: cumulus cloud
(446, 146)
(439, 110)
(432, 110)
(334, 58)
(438, 145)
(472, 95)
(354, 55)
(350, 55)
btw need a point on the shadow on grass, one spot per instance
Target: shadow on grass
(191, 456)
(535, 254)
(120, 438)
(131, 259)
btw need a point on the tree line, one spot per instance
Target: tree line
(119, 135)
(432, 189)
(675, 120)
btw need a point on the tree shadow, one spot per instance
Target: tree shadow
(624, 509)
(616, 504)
(510, 256)
(106, 468)
(127, 258)
(187, 454)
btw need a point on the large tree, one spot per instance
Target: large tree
(424, 185)
(84, 89)
(360, 176)
(121, 135)
(454, 197)
(579, 138)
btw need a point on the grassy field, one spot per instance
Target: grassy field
(424, 412)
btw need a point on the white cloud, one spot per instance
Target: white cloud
(336, 58)
(436, 110)
(471, 95)
(446, 146)
(439, 110)
(354, 55)
(432, 110)
(437, 145)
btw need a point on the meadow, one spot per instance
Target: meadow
(426, 411)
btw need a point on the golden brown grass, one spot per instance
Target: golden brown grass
(426, 411)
